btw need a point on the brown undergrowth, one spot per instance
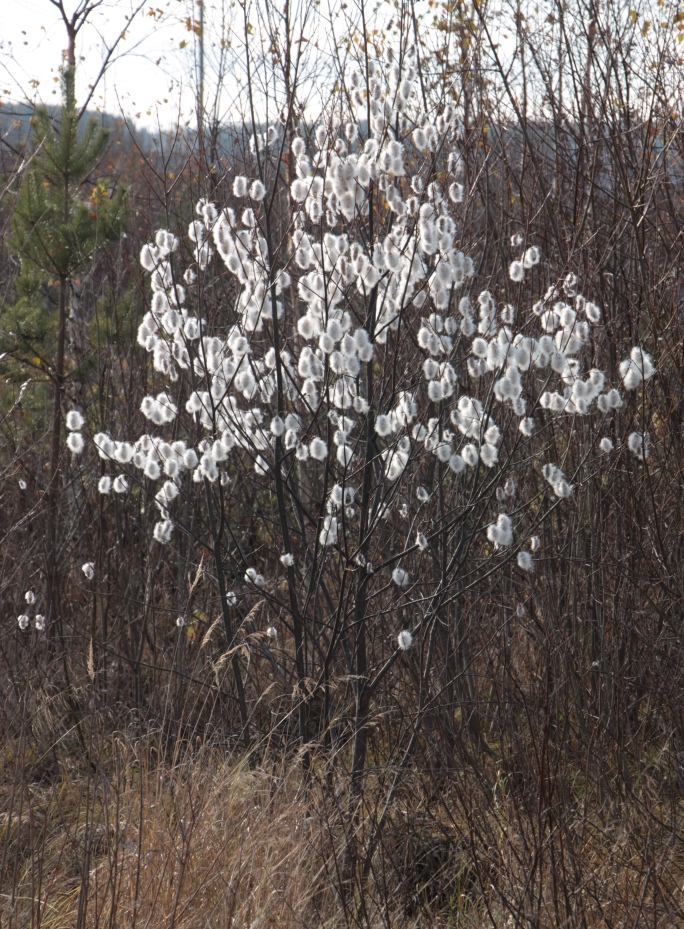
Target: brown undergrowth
(138, 834)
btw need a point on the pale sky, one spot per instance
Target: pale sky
(153, 75)
(153, 81)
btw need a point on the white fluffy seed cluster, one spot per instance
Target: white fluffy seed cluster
(636, 369)
(501, 532)
(555, 477)
(308, 403)
(525, 561)
(24, 619)
(639, 444)
(530, 258)
(405, 640)
(253, 577)
(401, 577)
(74, 423)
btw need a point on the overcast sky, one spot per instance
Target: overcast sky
(153, 75)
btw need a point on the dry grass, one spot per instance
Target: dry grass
(195, 843)
(199, 841)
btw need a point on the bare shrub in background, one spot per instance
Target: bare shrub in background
(378, 568)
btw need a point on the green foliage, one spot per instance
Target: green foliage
(56, 228)
(60, 219)
(115, 322)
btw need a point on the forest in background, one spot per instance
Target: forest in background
(304, 629)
